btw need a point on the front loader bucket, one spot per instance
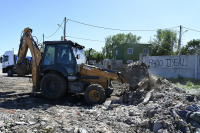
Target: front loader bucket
(135, 72)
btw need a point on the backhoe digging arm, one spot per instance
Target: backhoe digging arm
(26, 42)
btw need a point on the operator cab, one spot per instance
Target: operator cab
(62, 56)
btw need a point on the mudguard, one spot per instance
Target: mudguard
(60, 69)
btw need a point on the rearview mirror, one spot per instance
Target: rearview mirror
(78, 56)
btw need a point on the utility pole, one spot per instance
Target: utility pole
(171, 46)
(13, 49)
(43, 38)
(43, 42)
(179, 42)
(64, 27)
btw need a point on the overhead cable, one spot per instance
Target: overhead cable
(191, 29)
(40, 39)
(55, 32)
(113, 29)
(85, 39)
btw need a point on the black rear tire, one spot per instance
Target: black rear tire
(10, 72)
(53, 86)
(95, 94)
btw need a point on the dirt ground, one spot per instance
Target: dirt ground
(16, 96)
(21, 86)
(147, 110)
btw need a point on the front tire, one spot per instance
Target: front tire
(53, 86)
(95, 94)
(10, 72)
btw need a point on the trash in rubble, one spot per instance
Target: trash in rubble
(193, 123)
(166, 109)
(157, 126)
(185, 114)
(80, 130)
(193, 108)
(195, 116)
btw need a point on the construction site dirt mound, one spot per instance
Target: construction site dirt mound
(154, 105)
(135, 72)
(159, 106)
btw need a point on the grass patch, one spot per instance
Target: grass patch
(185, 81)
(188, 83)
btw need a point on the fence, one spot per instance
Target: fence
(168, 66)
(172, 65)
(112, 64)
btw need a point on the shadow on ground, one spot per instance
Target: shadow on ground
(14, 76)
(36, 100)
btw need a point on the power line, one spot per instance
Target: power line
(114, 29)
(40, 39)
(85, 39)
(191, 29)
(55, 32)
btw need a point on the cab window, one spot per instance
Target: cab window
(5, 58)
(64, 55)
(49, 55)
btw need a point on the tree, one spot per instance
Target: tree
(94, 55)
(190, 47)
(114, 41)
(161, 45)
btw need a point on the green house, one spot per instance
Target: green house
(129, 52)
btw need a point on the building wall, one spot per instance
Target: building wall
(171, 66)
(120, 55)
(198, 67)
(137, 49)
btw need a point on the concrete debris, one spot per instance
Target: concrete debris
(148, 96)
(135, 72)
(157, 126)
(154, 105)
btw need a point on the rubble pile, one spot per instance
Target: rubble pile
(154, 106)
(134, 72)
(161, 107)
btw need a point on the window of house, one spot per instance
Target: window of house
(145, 51)
(116, 52)
(130, 51)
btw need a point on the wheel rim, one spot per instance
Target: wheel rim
(94, 95)
(51, 86)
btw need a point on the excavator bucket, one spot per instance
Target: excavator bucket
(135, 72)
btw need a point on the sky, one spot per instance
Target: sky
(43, 16)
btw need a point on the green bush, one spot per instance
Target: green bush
(180, 78)
(188, 83)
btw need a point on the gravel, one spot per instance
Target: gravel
(143, 110)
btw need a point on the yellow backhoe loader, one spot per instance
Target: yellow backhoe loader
(62, 68)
